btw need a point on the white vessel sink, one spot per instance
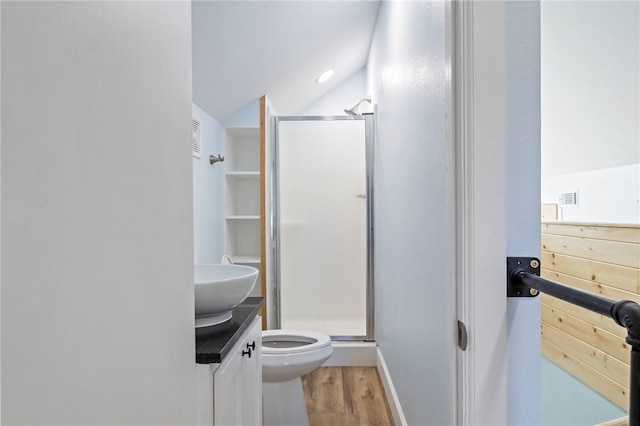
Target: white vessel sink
(219, 289)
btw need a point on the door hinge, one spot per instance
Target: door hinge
(463, 337)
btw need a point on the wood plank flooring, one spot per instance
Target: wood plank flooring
(346, 396)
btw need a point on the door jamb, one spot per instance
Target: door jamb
(480, 144)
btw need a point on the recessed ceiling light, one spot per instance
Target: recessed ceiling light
(325, 76)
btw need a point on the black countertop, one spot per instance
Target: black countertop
(213, 343)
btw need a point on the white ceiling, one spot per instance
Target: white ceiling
(245, 49)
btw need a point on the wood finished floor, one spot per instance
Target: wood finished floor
(346, 396)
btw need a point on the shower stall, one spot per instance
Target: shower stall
(322, 200)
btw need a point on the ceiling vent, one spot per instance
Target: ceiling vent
(569, 199)
(196, 145)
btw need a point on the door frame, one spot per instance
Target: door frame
(479, 103)
(369, 143)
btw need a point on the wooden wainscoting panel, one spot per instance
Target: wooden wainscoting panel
(600, 321)
(618, 253)
(613, 391)
(621, 277)
(604, 260)
(548, 212)
(601, 362)
(590, 286)
(622, 233)
(588, 333)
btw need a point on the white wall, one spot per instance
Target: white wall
(344, 95)
(413, 219)
(590, 107)
(97, 242)
(208, 197)
(590, 91)
(247, 117)
(522, 50)
(610, 195)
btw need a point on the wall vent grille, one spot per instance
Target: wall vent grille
(569, 199)
(196, 145)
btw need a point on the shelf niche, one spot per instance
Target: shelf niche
(242, 197)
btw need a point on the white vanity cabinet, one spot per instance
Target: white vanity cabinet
(230, 392)
(237, 383)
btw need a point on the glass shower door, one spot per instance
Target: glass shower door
(322, 221)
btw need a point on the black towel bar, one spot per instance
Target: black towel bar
(523, 280)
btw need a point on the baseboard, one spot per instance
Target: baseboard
(387, 384)
(352, 354)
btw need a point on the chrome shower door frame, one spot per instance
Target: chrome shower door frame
(275, 296)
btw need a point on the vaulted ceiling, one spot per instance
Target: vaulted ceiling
(245, 49)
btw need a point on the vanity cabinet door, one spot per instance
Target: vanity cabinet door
(237, 389)
(252, 377)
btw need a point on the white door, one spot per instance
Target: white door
(322, 218)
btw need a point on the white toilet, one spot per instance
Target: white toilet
(286, 356)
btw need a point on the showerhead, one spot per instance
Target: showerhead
(354, 109)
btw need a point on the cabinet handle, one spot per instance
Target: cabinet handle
(252, 345)
(247, 352)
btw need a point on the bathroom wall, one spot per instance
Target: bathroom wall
(407, 79)
(208, 179)
(344, 95)
(97, 214)
(247, 117)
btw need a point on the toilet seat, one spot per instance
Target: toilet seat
(292, 341)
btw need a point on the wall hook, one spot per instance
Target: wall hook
(213, 159)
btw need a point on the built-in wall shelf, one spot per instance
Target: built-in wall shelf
(247, 260)
(243, 175)
(242, 196)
